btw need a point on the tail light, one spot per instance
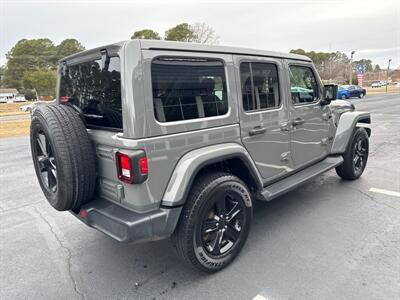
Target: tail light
(64, 99)
(132, 167)
(124, 168)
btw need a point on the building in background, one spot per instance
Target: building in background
(7, 95)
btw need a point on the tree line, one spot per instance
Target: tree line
(335, 66)
(31, 63)
(184, 32)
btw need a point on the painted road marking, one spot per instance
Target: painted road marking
(259, 297)
(385, 192)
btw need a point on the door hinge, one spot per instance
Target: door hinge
(120, 192)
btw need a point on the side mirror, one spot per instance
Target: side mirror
(329, 93)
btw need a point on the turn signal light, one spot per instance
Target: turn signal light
(144, 169)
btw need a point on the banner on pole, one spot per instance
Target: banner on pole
(360, 74)
(360, 69)
(360, 78)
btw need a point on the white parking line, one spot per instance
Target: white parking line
(259, 297)
(385, 192)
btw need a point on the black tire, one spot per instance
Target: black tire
(63, 156)
(195, 247)
(355, 157)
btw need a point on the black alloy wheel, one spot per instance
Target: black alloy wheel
(355, 157)
(214, 223)
(46, 161)
(360, 155)
(222, 223)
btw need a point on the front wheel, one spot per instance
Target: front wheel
(355, 157)
(344, 97)
(215, 222)
(361, 96)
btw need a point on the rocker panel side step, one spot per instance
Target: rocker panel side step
(293, 181)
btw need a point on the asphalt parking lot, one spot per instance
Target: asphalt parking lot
(329, 239)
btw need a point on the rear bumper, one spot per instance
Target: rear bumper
(124, 225)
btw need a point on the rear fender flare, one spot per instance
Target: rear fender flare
(192, 162)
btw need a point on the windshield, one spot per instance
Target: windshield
(96, 91)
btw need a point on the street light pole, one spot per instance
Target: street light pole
(387, 73)
(351, 67)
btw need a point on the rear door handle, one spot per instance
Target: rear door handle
(285, 126)
(297, 121)
(257, 130)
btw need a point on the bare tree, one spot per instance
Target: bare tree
(204, 34)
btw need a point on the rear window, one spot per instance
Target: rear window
(96, 91)
(188, 88)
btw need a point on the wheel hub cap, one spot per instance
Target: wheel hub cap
(360, 154)
(221, 229)
(46, 162)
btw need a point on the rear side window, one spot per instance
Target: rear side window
(188, 88)
(303, 85)
(96, 91)
(260, 86)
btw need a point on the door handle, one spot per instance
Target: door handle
(297, 121)
(285, 127)
(257, 130)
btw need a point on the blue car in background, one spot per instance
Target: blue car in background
(348, 91)
(343, 93)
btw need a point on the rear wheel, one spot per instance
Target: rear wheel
(215, 222)
(344, 97)
(355, 157)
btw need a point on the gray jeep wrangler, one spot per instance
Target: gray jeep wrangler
(154, 139)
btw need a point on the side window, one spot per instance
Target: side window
(303, 85)
(188, 88)
(260, 86)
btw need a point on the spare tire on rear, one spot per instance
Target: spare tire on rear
(63, 156)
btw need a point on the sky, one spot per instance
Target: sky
(371, 28)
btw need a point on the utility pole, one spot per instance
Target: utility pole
(330, 62)
(351, 67)
(387, 73)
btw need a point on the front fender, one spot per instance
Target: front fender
(191, 163)
(345, 127)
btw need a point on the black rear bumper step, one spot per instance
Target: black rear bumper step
(124, 225)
